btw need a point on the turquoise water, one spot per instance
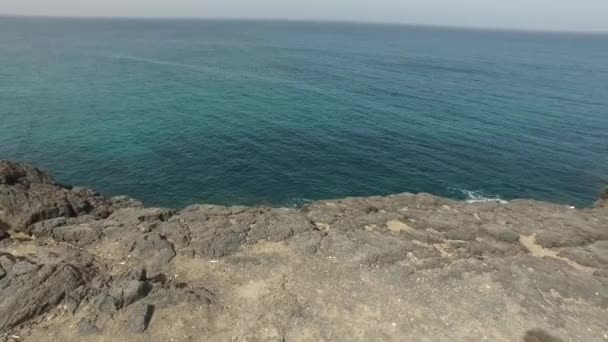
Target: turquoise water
(279, 113)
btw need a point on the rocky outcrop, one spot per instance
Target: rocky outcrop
(28, 196)
(401, 267)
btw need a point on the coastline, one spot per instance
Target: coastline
(75, 265)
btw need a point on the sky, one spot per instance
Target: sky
(576, 15)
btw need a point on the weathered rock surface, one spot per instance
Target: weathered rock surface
(28, 196)
(394, 268)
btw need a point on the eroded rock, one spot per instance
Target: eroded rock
(407, 266)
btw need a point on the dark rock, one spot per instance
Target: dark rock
(80, 235)
(30, 294)
(72, 301)
(139, 317)
(106, 304)
(538, 335)
(44, 228)
(28, 196)
(140, 215)
(129, 292)
(13, 173)
(155, 252)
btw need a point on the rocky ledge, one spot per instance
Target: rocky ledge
(75, 266)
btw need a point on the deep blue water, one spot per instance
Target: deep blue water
(241, 112)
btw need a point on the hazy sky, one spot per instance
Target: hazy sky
(523, 14)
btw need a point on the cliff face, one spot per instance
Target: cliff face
(77, 266)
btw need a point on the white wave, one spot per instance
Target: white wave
(480, 197)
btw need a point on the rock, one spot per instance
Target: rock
(106, 304)
(80, 235)
(23, 267)
(72, 301)
(13, 173)
(86, 328)
(550, 239)
(603, 201)
(538, 335)
(129, 292)
(501, 233)
(32, 293)
(140, 317)
(155, 252)
(138, 215)
(28, 196)
(442, 270)
(7, 261)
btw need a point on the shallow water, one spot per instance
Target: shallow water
(243, 112)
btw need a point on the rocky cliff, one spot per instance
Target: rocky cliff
(75, 266)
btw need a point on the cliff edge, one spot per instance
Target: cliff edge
(77, 266)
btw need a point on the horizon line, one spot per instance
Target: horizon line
(308, 20)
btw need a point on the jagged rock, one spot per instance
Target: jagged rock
(72, 301)
(80, 235)
(155, 252)
(129, 292)
(28, 195)
(413, 267)
(27, 295)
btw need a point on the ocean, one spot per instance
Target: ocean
(176, 112)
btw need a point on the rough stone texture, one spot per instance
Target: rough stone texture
(394, 268)
(27, 196)
(139, 318)
(30, 287)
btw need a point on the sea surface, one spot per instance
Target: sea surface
(175, 112)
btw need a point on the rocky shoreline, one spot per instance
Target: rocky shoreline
(77, 266)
